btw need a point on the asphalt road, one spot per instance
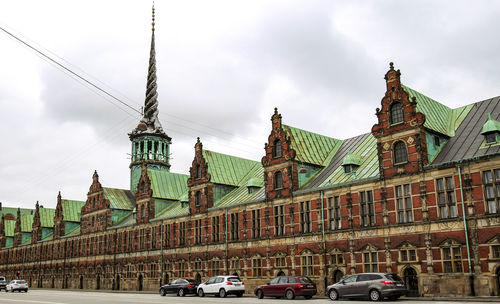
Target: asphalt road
(78, 297)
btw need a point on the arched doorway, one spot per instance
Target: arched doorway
(498, 280)
(52, 282)
(98, 282)
(280, 274)
(117, 282)
(411, 282)
(337, 276)
(139, 283)
(198, 278)
(81, 282)
(66, 282)
(166, 279)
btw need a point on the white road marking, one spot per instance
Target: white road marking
(30, 301)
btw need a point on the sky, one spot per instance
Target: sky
(222, 67)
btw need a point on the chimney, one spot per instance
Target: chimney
(0, 206)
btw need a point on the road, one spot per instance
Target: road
(78, 297)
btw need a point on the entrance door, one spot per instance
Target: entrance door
(411, 282)
(117, 282)
(337, 276)
(98, 282)
(139, 282)
(498, 280)
(81, 282)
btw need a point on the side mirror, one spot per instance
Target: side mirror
(343, 282)
(267, 283)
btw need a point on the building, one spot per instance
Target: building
(418, 195)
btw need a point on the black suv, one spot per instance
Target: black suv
(181, 287)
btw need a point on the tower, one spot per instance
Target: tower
(150, 144)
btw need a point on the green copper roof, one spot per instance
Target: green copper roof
(255, 182)
(438, 117)
(240, 194)
(72, 210)
(119, 198)
(73, 232)
(226, 169)
(26, 222)
(352, 159)
(368, 168)
(490, 126)
(175, 209)
(310, 147)
(13, 211)
(168, 185)
(10, 226)
(47, 217)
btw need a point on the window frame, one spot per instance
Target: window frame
(370, 260)
(492, 203)
(367, 208)
(398, 148)
(446, 197)
(277, 148)
(279, 220)
(453, 264)
(399, 114)
(334, 216)
(305, 217)
(404, 203)
(278, 180)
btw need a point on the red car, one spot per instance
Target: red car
(288, 287)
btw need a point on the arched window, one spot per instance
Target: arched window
(278, 180)
(396, 113)
(400, 155)
(198, 171)
(198, 198)
(277, 149)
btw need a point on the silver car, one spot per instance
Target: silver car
(374, 286)
(17, 285)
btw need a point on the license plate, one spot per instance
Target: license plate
(309, 286)
(399, 285)
(237, 284)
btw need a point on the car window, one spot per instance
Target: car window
(394, 277)
(174, 282)
(283, 280)
(233, 279)
(22, 282)
(292, 280)
(219, 280)
(363, 277)
(350, 279)
(274, 281)
(374, 277)
(211, 281)
(191, 281)
(305, 280)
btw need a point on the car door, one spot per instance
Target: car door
(209, 285)
(171, 286)
(270, 288)
(347, 286)
(219, 282)
(281, 286)
(360, 288)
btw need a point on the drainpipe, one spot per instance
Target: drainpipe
(471, 276)
(161, 254)
(323, 239)
(226, 232)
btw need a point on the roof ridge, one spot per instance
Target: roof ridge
(285, 125)
(229, 155)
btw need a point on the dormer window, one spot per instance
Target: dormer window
(491, 130)
(277, 148)
(349, 168)
(396, 113)
(278, 180)
(491, 138)
(198, 171)
(400, 154)
(351, 162)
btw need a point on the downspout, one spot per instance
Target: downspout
(225, 237)
(325, 282)
(161, 254)
(471, 276)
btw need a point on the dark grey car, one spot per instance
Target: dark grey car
(374, 286)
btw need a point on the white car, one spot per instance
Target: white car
(222, 286)
(18, 285)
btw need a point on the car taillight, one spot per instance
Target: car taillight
(388, 282)
(229, 283)
(189, 285)
(301, 286)
(242, 283)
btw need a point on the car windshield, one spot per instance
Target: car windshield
(394, 277)
(233, 279)
(305, 280)
(21, 282)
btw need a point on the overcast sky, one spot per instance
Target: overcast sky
(222, 68)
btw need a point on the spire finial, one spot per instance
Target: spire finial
(153, 23)
(391, 65)
(275, 110)
(489, 116)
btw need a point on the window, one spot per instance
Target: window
(257, 267)
(491, 138)
(215, 229)
(336, 258)
(181, 269)
(234, 226)
(215, 267)
(436, 141)
(279, 220)
(198, 171)
(334, 212)
(446, 197)
(400, 155)
(370, 261)
(396, 112)
(197, 231)
(404, 204)
(277, 149)
(280, 261)
(256, 223)
(349, 168)
(408, 255)
(491, 181)
(307, 265)
(182, 233)
(495, 249)
(367, 208)
(278, 180)
(198, 198)
(452, 259)
(305, 217)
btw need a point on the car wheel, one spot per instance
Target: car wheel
(181, 292)
(201, 293)
(333, 295)
(163, 292)
(290, 295)
(308, 297)
(375, 295)
(260, 294)
(222, 293)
